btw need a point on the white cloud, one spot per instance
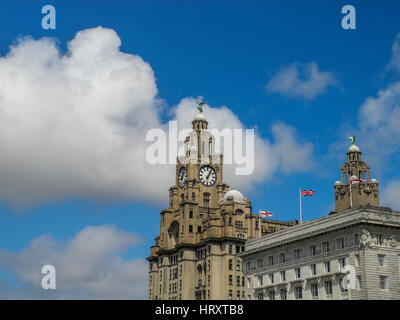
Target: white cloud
(89, 266)
(394, 63)
(390, 195)
(73, 125)
(301, 81)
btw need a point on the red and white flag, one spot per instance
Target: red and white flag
(307, 192)
(265, 213)
(356, 181)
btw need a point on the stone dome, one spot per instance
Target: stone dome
(374, 181)
(200, 116)
(337, 183)
(354, 148)
(233, 195)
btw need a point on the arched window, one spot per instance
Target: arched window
(239, 212)
(206, 199)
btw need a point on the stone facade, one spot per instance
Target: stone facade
(204, 228)
(353, 253)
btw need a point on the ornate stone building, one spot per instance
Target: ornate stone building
(204, 228)
(351, 254)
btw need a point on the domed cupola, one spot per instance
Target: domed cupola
(234, 196)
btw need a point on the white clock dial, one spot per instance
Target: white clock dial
(182, 177)
(207, 175)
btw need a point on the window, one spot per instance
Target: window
(340, 243)
(242, 281)
(283, 294)
(249, 282)
(383, 282)
(260, 281)
(239, 224)
(238, 281)
(313, 269)
(230, 280)
(270, 260)
(312, 250)
(283, 275)
(325, 247)
(259, 263)
(238, 265)
(298, 292)
(271, 278)
(199, 229)
(297, 273)
(327, 266)
(381, 260)
(230, 264)
(380, 239)
(237, 295)
(230, 295)
(328, 287)
(193, 196)
(230, 249)
(314, 290)
(271, 295)
(239, 212)
(342, 263)
(356, 239)
(260, 296)
(208, 280)
(206, 199)
(297, 254)
(191, 214)
(190, 228)
(282, 258)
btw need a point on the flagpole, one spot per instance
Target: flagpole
(300, 207)
(351, 196)
(259, 223)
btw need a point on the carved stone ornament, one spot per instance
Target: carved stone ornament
(365, 238)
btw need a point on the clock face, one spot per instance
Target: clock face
(182, 177)
(207, 175)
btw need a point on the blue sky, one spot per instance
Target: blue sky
(227, 52)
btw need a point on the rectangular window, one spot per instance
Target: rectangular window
(298, 293)
(297, 273)
(380, 239)
(343, 286)
(237, 295)
(313, 269)
(238, 281)
(359, 283)
(381, 260)
(283, 275)
(260, 296)
(325, 247)
(283, 294)
(270, 260)
(230, 295)
(230, 280)
(342, 263)
(230, 264)
(327, 266)
(312, 250)
(238, 265)
(271, 295)
(190, 228)
(314, 290)
(260, 281)
(259, 263)
(282, 258)
(383, 282)
(340, 243)
(356, 239)
(271, 278)
(328, 287)
(230, 249)
(297, 254)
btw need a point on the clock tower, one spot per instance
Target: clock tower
(203, 229)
